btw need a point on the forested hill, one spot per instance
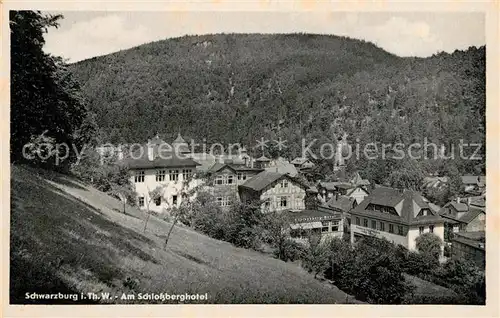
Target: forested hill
(239, 88)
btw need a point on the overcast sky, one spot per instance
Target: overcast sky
(83, 35)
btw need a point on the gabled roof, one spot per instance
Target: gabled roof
(341, 203)
(471, 215)
(459, 206)
(409, 203)
(357, 180)
(263, 158)
(260, 181)
(180, 144)
(234, 167)
(283, 167)
(179, 139)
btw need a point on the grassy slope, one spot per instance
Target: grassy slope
(67, 237)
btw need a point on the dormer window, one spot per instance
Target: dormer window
(424, 212)
(284, 184)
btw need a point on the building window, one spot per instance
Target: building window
(284, 184)
(325, 226)
(218, 180)
(241, 176)
(160, 175)
(374, 224)
(400, 230)
(186, 174)
(391, 228)
(283, 202)
(139, 176)
(223, 201)
(174, 175)
(230, 179)
(335, 226)
(365, 222)
(141, 201)
(174, 200)
(421, 230)
(431, 228)
(267, 204)
(158, 201)
(357, 221)
(382, 226)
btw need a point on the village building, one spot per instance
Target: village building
(398, 215)
(301, 163)
(276, 191)
(470, 246)
(225, 179)
(262, 162)
(464, 215)
(322, 221)
(156, 164)
(327, 190)
(281, 165)
(474, 185)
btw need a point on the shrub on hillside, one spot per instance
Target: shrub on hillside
(316, 256)
(429, 245)
(291, 251)
(371, 271)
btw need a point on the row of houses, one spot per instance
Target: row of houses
(349, 207)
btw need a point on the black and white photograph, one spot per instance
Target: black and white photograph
(247, 157)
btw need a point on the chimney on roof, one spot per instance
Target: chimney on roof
(458, 199)
(468, 201)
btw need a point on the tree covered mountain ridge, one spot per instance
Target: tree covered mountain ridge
(230, 88)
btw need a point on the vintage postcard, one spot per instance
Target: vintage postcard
(162, 158)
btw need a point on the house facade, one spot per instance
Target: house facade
(156, 166)
(470, 246)
(327, 190)
(398, 215)
(276, 191)
(464, 215)
(225, 179)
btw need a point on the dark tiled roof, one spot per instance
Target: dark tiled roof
(219, 166)
(477, 235)
(328, 185)
(172, 162)
(471, 215)
(412, 202)
(341, 202)
(163, 157)
(473, 239)
(266, 178)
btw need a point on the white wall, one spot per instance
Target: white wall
(170, 188)
(294, 193)
(414, 232)
(359, 195)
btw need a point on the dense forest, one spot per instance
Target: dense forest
(231, 88)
